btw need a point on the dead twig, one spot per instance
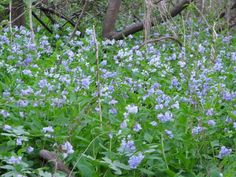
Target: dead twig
(159, 40)
(97, 75)
(53, 11)
(52, 158)
(42, 23)
(79, 19)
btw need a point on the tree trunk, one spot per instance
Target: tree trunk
(18, 17)
(110, 18)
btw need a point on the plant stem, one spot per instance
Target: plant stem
(163, 151)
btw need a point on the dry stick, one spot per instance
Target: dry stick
(10, 18)
(31, 22)
(160, 39)
(97, 76)
(78, 21)
(53, 11)
(42, 23)
(52, 158)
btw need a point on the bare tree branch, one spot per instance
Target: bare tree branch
(159, 40)
(53, 11)
(42, 23)
(78, 21)
(52, 158)
(140, 25)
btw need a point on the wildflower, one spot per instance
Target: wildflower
(4, 113)
(123, 124)
(48, 129)
(201, 49)
(174, 82)
(169, 133)
(154, 123)
(211, 122)
(127, 146)
(19, 141)
(14, 160)
(43, 83)
(113, 111)
(197, 130)
(85, 82)
(234, 125)
(135, 160)
(137, 127)
(210, 112)
(27, 72)
(7, 127)
(113, 102)
(68, 148)
(165, 117)
(22, 103)
(224, 152)
(132, 109)
(30, 149)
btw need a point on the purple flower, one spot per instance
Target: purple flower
(201, 49)
(68, 148)
(153, 123)
(210, 112)
(211, 122)
(234, 125)
(27, 60)
(4, 113)
(174, 82)
(30, 149)
(169, 133)
(85, 82)
(6, 128)
(43, 83)
(22, 103)
(113, 102)
(197, 130)
(137, 127)
(14, 160)
(113, 111)
(224, 152)
(19, 141)
(123, 124)
(135, 160)
(132, 109)
(165, 117)
(127, 146)
(48, 129)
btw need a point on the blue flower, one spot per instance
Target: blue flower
(127, 146)
(224, 152)
(134, 161)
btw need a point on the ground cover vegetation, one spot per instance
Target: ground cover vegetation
(88, 106)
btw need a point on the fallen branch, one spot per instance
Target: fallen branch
(159, 40)
(140, 25)
(42, 23)
(50, 10)
(52, 158)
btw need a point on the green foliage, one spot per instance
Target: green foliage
(166, 111)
